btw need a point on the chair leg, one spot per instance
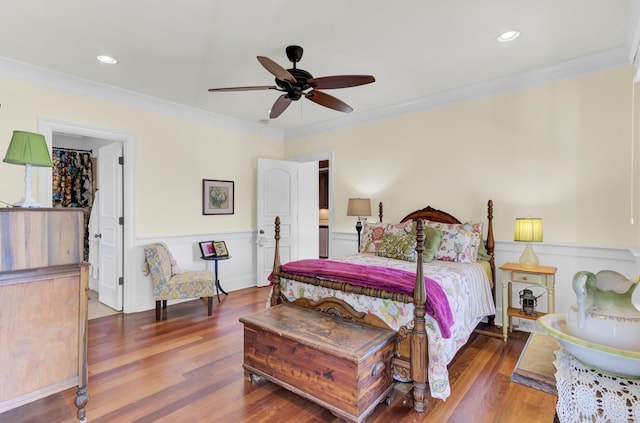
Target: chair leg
(209, 305)
(158, 310)
(164, 304)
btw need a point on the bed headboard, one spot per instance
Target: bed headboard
(429, 213)
(435, 215)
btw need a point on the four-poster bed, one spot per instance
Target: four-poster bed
(425, 344)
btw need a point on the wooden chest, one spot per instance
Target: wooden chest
(339, 364)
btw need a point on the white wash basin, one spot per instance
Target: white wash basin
(605, 359)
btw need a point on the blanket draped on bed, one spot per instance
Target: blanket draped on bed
(383, 278)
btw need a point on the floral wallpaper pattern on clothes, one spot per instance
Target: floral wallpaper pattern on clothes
(72, 183)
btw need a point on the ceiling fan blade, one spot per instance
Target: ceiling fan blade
(277, 70)
(254, 88)
(340, 81)
(329, 101)
(279, 106)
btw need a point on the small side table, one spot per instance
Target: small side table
(544, 276)
(216, 259)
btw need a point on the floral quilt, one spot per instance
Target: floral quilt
(467, 288)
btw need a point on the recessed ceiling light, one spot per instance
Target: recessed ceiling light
(508, 36)
(108, 60)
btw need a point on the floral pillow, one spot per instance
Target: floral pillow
(372, 234)
(459, 241)
(398, 245)
(401, 245)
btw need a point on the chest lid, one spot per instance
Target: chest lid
(336, 335)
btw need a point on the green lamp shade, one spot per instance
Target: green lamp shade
(28, 148)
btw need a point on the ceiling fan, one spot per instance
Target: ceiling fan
(297, 83)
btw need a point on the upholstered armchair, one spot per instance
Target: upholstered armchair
(170, 284)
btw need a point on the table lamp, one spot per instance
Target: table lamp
(528, 229)
(28, 149)
(359, 207)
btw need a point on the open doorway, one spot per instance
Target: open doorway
(125, 215)
(323, 204)
(87, 173)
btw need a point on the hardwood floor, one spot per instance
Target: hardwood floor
(188, 368)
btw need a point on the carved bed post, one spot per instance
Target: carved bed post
(419, 337)
(380, 211)
(490, 241)
(490, 250)
(275, 276)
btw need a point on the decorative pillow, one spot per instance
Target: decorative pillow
(459, 241)
(398, 245)
(372, 234)
(401, 245)
(432, 241)
(482, 251)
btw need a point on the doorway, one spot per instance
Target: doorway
(277, 184)
(323, 204)
(86, 174)
(77, 136)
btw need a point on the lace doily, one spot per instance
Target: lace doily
(585, 395)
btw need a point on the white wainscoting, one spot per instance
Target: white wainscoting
(240, 271)
(236, 273)
(569, 259)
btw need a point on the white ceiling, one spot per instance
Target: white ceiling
(421, 52)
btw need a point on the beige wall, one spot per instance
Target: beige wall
(560, 151)
(174, 155)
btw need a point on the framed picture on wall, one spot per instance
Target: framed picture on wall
(207, 250)
(220, 248)
(217, 197)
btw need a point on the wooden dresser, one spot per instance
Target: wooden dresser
(43, 305)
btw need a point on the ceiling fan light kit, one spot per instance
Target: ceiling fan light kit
(298, 83)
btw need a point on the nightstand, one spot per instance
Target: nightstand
(544, 276)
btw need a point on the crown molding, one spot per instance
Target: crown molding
(604, 60)
(21, 71)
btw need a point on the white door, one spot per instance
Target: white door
(282, 193)
(110, 205)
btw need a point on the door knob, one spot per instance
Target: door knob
(261, 241)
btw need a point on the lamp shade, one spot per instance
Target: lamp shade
(359, 207)
(28, 148)
(528, 229)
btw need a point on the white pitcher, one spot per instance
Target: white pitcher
(606, 312)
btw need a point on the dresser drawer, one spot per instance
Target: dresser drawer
(528, 278)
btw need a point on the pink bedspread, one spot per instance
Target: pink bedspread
(383, 278)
